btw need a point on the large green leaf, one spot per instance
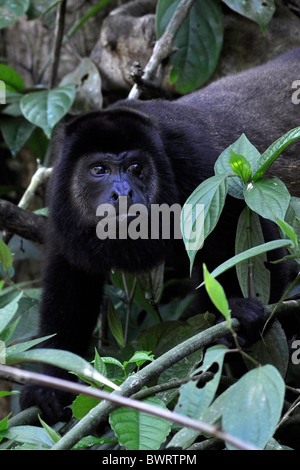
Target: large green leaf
(259, 11)
(260, 274)
(11, 11)
(140, 431)
(194, 401)
(45, 108)
(198, 42)
(268, 197)
(253, 406)
(210, 197)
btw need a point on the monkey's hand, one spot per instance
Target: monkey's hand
(251, 315)
(51, 402)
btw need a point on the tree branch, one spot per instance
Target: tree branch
(22, 222)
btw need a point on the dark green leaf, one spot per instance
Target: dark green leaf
(260, 274)
(16, 132)
(198, 42)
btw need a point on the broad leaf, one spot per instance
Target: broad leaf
(11, 11)
(16, 132)
(114, 324)
(208, 201)
(194, 401)
(197, 44)
(45, 108)
(253, 406)
(260, 274)
(268, 197)
(140, 431)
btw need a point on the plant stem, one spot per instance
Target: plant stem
(59, 33)
(163, 48)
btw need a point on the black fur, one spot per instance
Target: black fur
(177, 144)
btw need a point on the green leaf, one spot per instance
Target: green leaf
(242, 146)
(99, 364)
(270, 155)
(257, 250)
(45, 108)
(254, 405)
(194, 401)
(261, 277)
(25, 345)
(271, 349)
(64, 359)
(139, 358)
(208, 201)
(90, 441)
(256, 10)
(11, 11)
(152, 283)
(53, 434)
(240, 166)
(30, 435)
(7, 313)
(138, 430)
(268, 197)
(16, 132)
(289, 231)
(216, 294)
(13, 81)
(82, 405)
(6, 257)
(114, 324)
(197, 43)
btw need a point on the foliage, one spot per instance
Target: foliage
(249, 406)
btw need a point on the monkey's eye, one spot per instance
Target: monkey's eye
(135, 168)
(99, 170)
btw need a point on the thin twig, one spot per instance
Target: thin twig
(164, 46)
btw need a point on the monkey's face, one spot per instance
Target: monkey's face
(111, 172)
(115, 182)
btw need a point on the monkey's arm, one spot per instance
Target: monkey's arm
(70, 307)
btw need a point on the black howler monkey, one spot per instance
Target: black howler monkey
(152, 152)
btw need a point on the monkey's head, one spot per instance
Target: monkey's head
(111, 171)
